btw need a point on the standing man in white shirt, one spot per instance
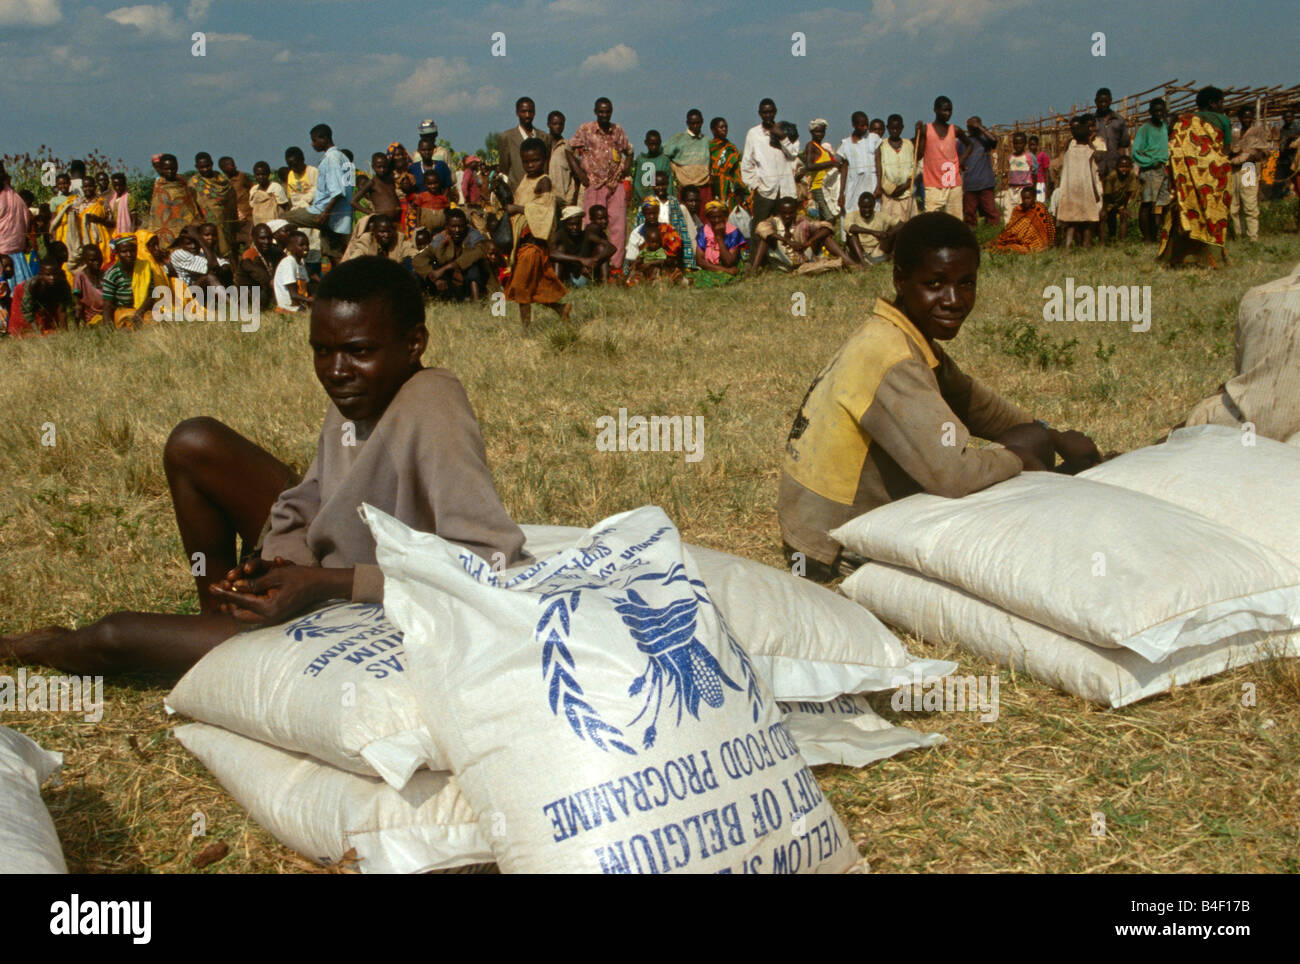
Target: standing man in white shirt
(859, 150)
(767, 163)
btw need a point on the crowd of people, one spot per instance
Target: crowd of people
(552, 212)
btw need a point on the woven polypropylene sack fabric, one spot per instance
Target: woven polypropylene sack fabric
(808, 642)
(29, 843)
(1240, 480)
(930, 609)
(1105, 565)
(329, 684)
(597, 710)
(323, 813)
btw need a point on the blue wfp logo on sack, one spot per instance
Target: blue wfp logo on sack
(680, 672)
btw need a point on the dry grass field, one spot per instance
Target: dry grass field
(1191, 781)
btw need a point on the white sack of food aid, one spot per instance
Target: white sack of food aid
(322, 812)
(1102, 564)
(930, 609)
(28, 841)
(597, 708)
(1240, 480)
(329, 684)
(808, 642)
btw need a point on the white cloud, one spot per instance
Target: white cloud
(154, 20)
(198, 9)
(434, 82)
(29, 13)
(283, 57)
(615, 60)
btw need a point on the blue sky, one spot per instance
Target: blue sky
(122, 78)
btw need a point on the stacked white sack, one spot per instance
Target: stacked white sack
(29, 843)
(1109, 593)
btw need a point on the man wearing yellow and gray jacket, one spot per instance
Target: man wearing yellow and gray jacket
(892, 415)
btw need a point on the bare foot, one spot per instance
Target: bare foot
(26, 647)
(568, 310)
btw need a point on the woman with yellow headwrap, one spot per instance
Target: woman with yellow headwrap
(128, 288)
(719, 247)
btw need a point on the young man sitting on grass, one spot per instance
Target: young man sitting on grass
(396, 435)
(891, 414)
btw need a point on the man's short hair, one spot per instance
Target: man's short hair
(167, 157)
(766, 100)
(554, 114)
(596, 207)
(1207, 96)
(533, 144)
(602, 100)
(893, 117)
(1157, 100)
(695, 110)
(225, 157)
(322, 130)
(716, 121)
(202, 156)
(942, 99)
(457, 214)
(1100, 91)
(654, 132)
(370, 276)
(1245, 109)
(288, 152)
(859, 113)
(931, 231)
(524, 100)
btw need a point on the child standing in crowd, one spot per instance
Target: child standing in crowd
(1151, 155)
(266, 198)
(978, 183)
(895, 164)
(532, 278)
(1022, 171)
(1080, 208)
(647, 165)
(1042, 170)
(820, 161)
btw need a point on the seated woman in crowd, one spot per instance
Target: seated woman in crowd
(132, 284)
(719, 247)
(1030, 228)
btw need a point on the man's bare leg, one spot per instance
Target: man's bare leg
(123, 642)
(222, 485)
